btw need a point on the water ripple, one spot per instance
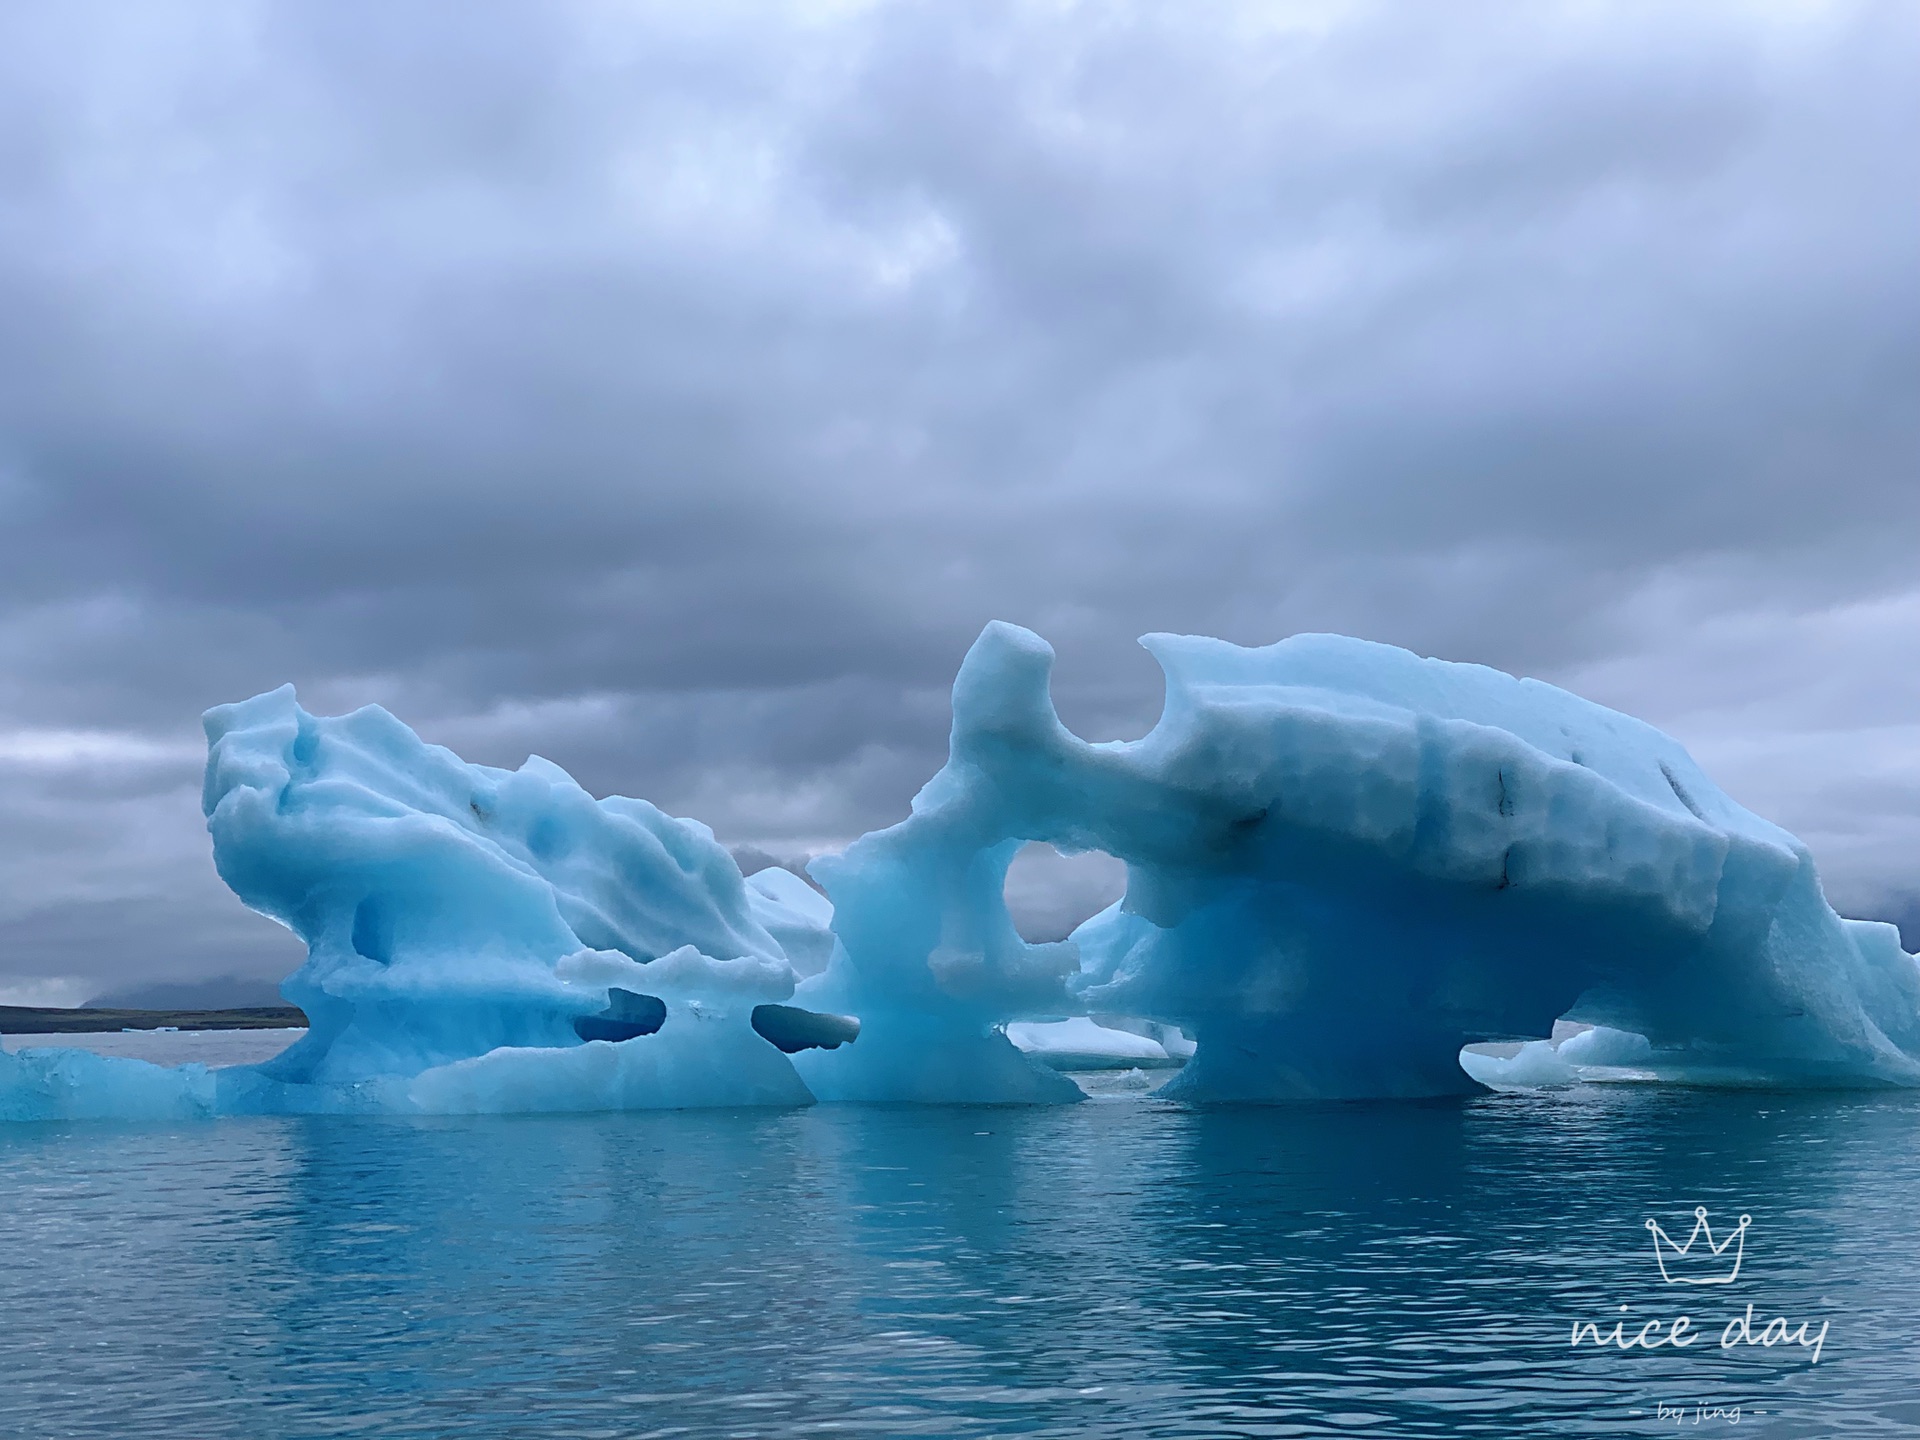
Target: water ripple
(1123, 1268)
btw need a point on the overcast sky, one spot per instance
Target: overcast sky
(675, 390)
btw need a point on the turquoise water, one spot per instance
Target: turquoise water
(1119, 1268)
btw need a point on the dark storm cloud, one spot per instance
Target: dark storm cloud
(676, 390)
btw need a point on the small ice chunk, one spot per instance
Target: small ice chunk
(1081, 1044)
(1536, 1065)
(1601, 1047)
(1540, 1064)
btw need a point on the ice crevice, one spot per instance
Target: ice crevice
(1344, 863)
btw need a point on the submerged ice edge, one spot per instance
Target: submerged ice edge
(1345, 863)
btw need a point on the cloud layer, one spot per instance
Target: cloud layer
(675, 390)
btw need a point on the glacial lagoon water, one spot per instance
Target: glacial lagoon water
(1124, 1267)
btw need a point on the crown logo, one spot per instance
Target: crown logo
(1707, 1265)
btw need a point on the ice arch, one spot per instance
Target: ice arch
(1345, 861)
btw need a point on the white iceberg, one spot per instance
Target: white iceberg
(1594, 1052)
(468, 929)
(797, 916)
(1081, 1043)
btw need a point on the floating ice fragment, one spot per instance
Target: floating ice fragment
(1082, 1044)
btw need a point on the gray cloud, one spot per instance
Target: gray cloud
(675, 391)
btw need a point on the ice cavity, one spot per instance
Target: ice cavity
(1346, 862)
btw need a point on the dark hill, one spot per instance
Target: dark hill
(42, 1020)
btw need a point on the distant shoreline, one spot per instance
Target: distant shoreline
(46, 1020)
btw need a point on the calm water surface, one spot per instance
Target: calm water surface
(1119, 1268)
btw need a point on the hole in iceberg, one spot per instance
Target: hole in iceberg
(789, 1029)
(627, 1017)
(1049, 894)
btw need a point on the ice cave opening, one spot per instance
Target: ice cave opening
(1050, 893)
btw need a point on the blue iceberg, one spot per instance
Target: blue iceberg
(461, 919)
(1345, 863)
(467, 929)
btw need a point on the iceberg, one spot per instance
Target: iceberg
(461, 919)
(1345, 864)
(470, 931)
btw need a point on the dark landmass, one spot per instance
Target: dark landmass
(42, 1020)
